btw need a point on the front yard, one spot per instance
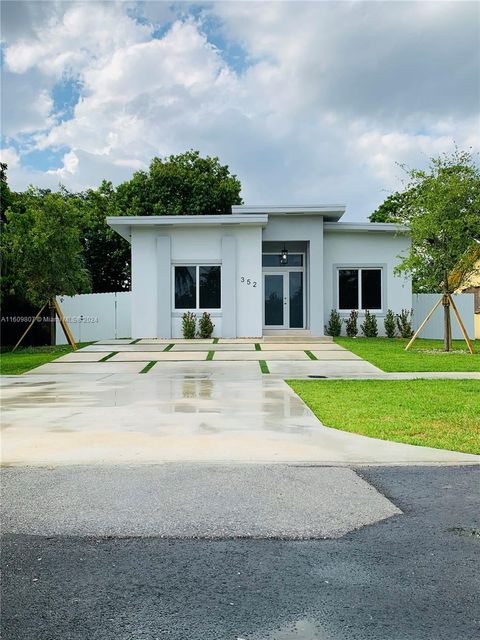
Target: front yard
(26, 358)
(444, 414)
(425, 355)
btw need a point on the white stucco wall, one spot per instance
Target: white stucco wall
(152, 286)
(357, 249)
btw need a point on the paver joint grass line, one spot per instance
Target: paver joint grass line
(215, 341)
(258, 346)
(263, 366)
(135, 341)
(311, 355)
(169, 346)
(147, 368)
(210, 355)
(108, 356)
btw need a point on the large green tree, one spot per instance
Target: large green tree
(41, 248)
(443, 213)
(184, 184)
(107, 255)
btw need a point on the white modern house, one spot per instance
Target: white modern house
(261, 270)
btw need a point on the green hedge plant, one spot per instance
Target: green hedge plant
(404, 323)
(390, 324)
(334, 326)
(205, 326)
(369, 325)
(189, 325)
(351, 326)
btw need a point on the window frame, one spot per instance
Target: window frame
(197, 308)
(359, 269)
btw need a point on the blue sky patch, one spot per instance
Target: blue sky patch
(65, 95)
(44, 159)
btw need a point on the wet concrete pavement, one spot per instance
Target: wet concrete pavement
(227, 417)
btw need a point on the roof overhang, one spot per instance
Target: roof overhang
(123, 225)
(330, 212)
(366, 227)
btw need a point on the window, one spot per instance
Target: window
(197, 287)
(360, 289)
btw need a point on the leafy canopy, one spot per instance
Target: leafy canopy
(41, 248)
(185, 184)
(441, 205)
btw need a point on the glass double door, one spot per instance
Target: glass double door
(284, 300)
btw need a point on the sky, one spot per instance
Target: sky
(307, 102)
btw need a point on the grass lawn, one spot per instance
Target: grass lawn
(26, 358)
(389, 354)
(444, 414)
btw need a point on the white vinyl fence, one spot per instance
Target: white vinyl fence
(423, 303)
(96, 316)
(103, 316)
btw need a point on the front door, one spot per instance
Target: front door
(284, 300)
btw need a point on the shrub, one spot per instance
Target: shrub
(389, 324)
(334, 326)
(189, 325)
(351, 324)
(404, 323)
(205, 326)
(369, 326)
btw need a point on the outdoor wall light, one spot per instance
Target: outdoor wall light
(284, 255)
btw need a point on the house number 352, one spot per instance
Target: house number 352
(244, 280)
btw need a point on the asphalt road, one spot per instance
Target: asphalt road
(413, 576)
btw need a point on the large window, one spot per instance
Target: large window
(360, 289)
(197, 287)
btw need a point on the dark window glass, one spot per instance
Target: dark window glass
(210, 297)
(296, 299)
(371, 289)
(348, 288)
(185, 287)
(273, 260)
(274, 300)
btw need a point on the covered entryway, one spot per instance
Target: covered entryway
(284, 298)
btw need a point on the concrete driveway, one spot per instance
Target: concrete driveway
(95, 407)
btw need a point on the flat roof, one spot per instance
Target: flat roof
(366, 227)
(123, 224)
(331, 212)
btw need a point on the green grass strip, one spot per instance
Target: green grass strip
(108, 356)
(147, 368)
(169, 346)
(311, 356)
(263, 366)
(135, 341)
(258, 346)
(431, 413)
(215, 341)
(210, 355)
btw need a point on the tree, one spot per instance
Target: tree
(42, 249)
(107, 255)
(395, 208)
(6, 196)
(444, 217)
(185, 184)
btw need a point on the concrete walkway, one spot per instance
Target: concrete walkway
(185, 415)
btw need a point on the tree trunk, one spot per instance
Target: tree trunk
(52, 319)
(447, 325)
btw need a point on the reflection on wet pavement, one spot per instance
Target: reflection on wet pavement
(191, 416)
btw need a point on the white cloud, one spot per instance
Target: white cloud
(10, 157)
(334, 93)
(69, 168)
